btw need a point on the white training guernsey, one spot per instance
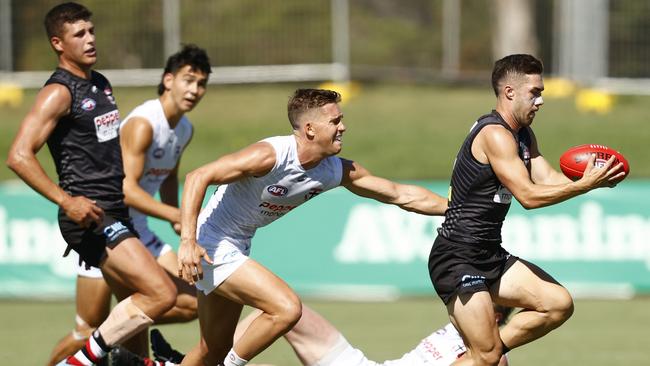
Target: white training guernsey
(236, 210)
(440, 348)
(161, 158)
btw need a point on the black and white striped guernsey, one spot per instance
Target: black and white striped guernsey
(478, 202)
(84, 144)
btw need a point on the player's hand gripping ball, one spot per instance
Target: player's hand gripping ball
(574, 161)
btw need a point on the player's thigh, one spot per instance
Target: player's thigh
(93, 300)
(473, 315)
(253, 284)
(130, 265)
(527, 286)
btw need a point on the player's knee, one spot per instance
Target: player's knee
(562, 308)
(187, 313)
(168, 298)
(185, 309)
(163, 300)
(190, 307)
(290, 311)
(489, 357)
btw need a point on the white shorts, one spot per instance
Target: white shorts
(155, 246)
(226, 258)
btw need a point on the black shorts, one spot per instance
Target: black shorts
(457, 268)
(91, 242)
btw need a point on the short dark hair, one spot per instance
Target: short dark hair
(519, 64)
(64, 13)
(303, 100)
(191, 55)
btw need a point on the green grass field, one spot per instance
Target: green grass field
(600, 333)
(397, 131)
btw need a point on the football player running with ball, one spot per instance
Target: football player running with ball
(468, 266)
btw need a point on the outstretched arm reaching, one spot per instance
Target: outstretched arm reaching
(361, 182)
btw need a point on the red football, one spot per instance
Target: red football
(574, 161)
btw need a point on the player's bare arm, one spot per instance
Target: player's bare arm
(253, 161)
(541, 172)
(496, 145)
(360, 181)
(135, 139)
(52, 103)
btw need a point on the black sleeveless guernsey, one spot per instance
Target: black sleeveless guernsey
(84, 144)
(478, 202)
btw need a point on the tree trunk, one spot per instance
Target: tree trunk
(514, 29)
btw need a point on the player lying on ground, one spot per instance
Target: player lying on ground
(318, 343)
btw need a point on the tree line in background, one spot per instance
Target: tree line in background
(382, 32)
(257, 32)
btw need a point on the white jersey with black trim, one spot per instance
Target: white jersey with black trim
(236, 210)
(161, 157)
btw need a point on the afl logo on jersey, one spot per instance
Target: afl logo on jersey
(88, 104)
(277, 190)
(158, 153)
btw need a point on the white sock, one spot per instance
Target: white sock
(232, 359)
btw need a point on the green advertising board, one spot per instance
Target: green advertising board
(343, 246)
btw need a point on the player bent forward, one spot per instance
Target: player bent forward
(259, 184)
